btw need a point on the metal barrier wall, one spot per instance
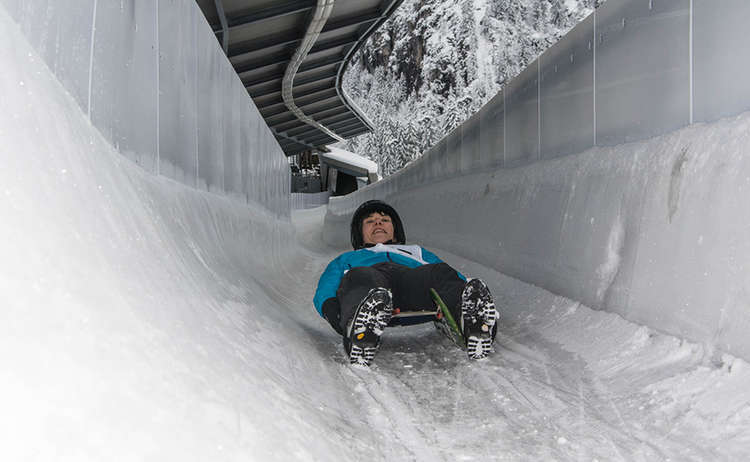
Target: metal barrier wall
(154, 81)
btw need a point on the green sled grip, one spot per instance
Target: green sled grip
(448, 316)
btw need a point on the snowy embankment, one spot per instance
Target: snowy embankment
(141, 318)
(655, 230)
(144, 320)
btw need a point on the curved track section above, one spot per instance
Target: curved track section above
(262, 40)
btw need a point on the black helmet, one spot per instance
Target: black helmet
(364, 211)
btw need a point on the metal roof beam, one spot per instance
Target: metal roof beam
(297, 94)
(345, 124)
(325, 109)
(333, 43)
(301, 103)
(335, 126)
(260, 94)
(335, 118)
(224, 30)
(323, 115)
(283, 57)
(280, 57)
(291, 138)
(250, 46)
(313, 78)
(290, 7)
(352, 132)
(290, 117)
(321, 140)
(303, 68)
(271, 91)
(353, 20)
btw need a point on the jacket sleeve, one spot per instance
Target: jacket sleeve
(430, 257)
(329, 283)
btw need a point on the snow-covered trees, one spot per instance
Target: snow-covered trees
(436, 62)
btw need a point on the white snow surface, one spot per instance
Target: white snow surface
(144, 320)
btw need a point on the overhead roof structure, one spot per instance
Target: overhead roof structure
(291, 56)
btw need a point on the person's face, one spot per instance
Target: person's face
(377, 228)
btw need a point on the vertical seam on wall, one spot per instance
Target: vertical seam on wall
(691, 69)
(539, 108)
(197, 124)
(158, 91)
(91, 60)
(505, 117)
(594, 77)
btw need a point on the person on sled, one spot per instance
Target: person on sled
(360, 291)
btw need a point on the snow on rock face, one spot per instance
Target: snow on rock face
(435, 63)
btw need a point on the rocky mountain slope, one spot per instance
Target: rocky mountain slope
(436, 62)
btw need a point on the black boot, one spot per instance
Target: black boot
(366, 326)
(478, 318)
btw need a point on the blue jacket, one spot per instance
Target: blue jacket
(407, 255)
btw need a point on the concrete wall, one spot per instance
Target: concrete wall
(154, 81)
(589, 174)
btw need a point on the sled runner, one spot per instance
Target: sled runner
(440, 315)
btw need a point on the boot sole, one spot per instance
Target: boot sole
(371, 317)
(479, 316)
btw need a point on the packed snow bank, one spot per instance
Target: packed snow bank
(142, 319)
(655, 230)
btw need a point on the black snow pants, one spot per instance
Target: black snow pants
(410, 287)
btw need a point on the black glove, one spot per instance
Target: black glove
(332, 313)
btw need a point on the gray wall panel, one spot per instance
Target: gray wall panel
(522, 118)
(61, 33)
(13, 7)
(453, 152)
(430, 165)
(210, 86)
(178, 109)
(470, 143)
(642, 69)
(491, 133)
(124, 79)
(441, 158)
(247, 137)
(232, 134)
(567, 93)
(721, 58)
(154, 97)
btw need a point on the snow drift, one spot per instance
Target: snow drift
(133, 323)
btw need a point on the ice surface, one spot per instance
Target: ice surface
(144, 320)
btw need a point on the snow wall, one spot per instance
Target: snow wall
(152, 78)
(140, 317)
(604, 173)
